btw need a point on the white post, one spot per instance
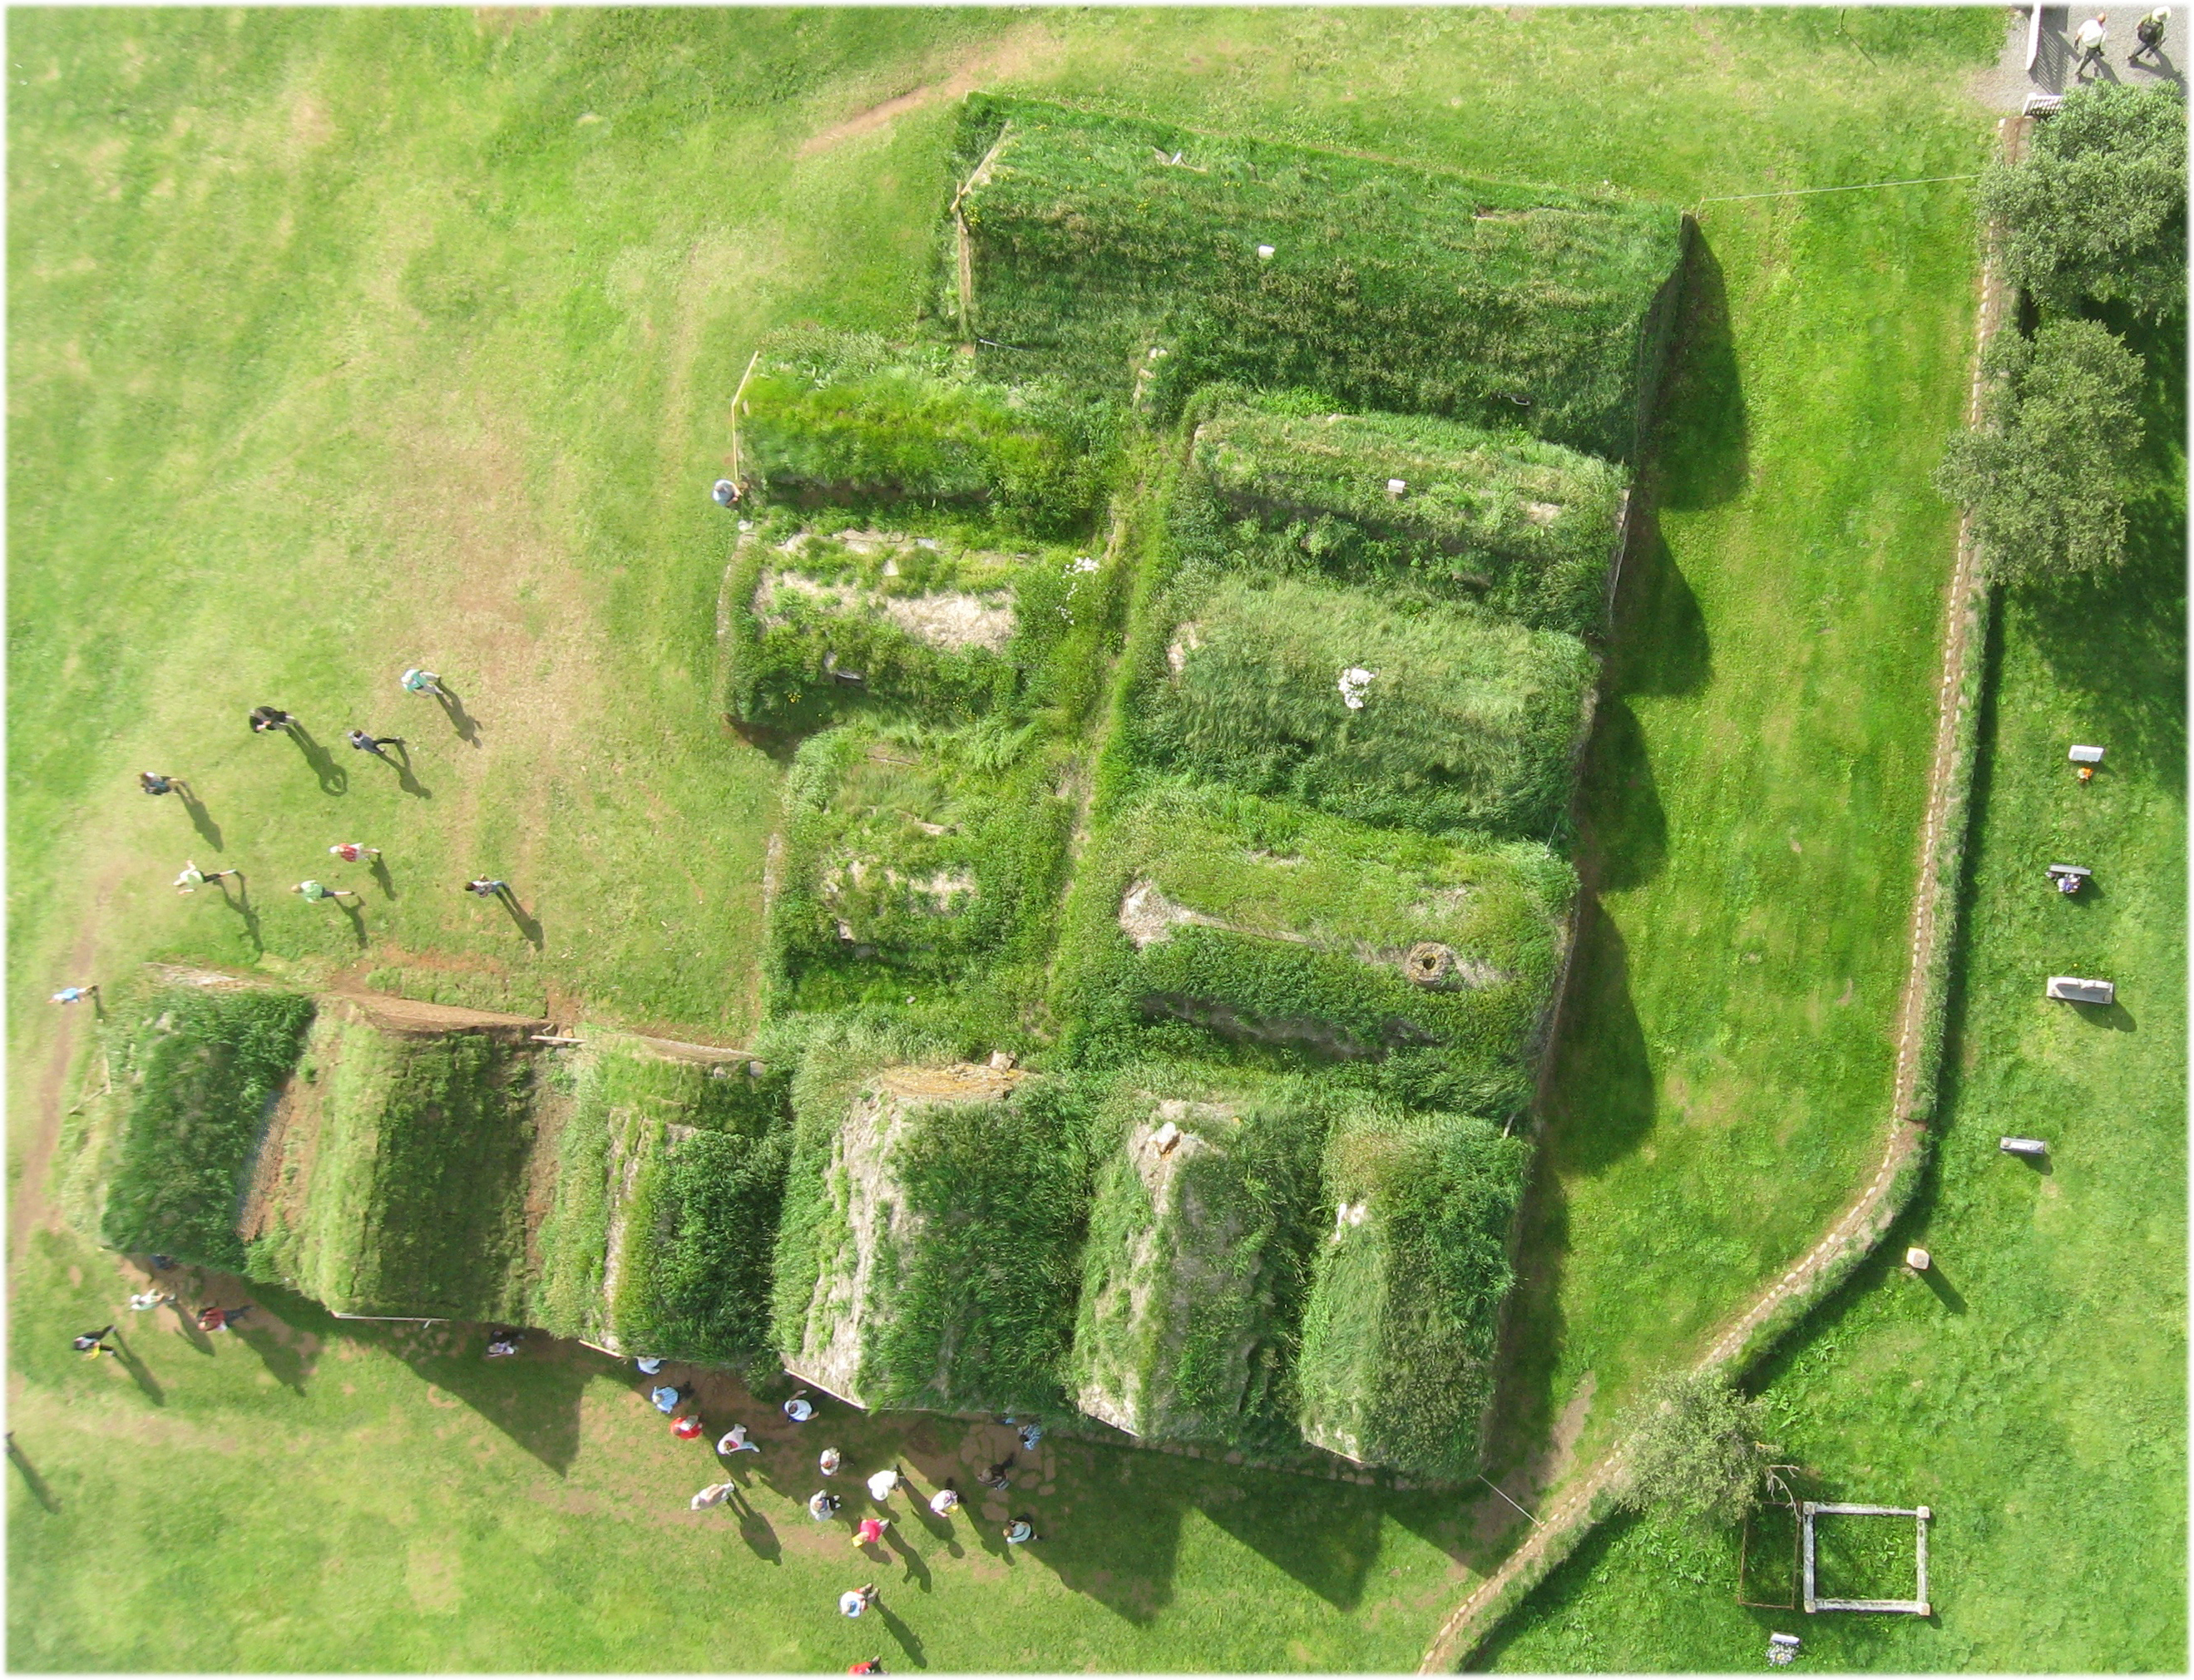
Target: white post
(2033, 39)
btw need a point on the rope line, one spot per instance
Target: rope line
(1862, 186)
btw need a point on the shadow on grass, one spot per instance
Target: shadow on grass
(461, 720)
(40, 1491)
(333, 777)
(240, 901)
(201, 818)
(1701, 441)
(2105, 638)
(139, 1372)
(528, 925)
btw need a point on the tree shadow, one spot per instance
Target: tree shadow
(333, 777)
(241, 903)
(527, 924)
(382, 878)
(1628, 828)
(40, 1490)
(1534, 1328)
(2104, 637)
(1701, 441)
(461, 720)
(201, 818)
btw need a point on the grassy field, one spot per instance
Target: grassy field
(2031, 1391)
(342, 341)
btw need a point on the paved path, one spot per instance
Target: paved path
(1868, 1218)
(2005, 87)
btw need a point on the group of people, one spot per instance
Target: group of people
(2094, 33)
(273, 720)
(671, 1400)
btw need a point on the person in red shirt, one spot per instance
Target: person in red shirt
(871, 1531)
(687, 1429)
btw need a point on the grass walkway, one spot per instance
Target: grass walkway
(342, 340)
(2031, 1390)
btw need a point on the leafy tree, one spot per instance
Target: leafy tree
(2097, 209)
(1695, 1450)
(2044, 473)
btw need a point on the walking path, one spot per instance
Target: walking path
(1868, 1218)
(2005, 86)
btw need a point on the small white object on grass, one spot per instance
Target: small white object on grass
(1353, 681)
(1781, 1649)
(1396, 486)
(1917, 1258)
(2034, 1146)
(1264, 253)
(2086, 755)
(1165, 1137)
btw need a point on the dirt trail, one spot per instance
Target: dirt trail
(1868, 1217)
(1008, 57)
(29, 1209)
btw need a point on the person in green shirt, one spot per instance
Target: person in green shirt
(314, 892)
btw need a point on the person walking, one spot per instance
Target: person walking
(648, 1366)
(192, 877)
(151, 1299)
(831, 1459)
(74, 994)
(93, 1342)
(156, 784)
(1031, 1432)
(314, 892)
(373, 743)
(882, 1484)
(416, 681)
(2149, 33)
(1019, 1532)
(351, 852)
(871, 1531)
(688, 1428)
(483, 887)
(799, 1408)
(857, 1599)
(265, 719)
(712, 1495)
(2089, 41)
(946, 1501)
(734, 1440)
(822, 1506)
(871, 1666)
(666, 1398)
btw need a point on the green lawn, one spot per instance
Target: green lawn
(2032, 1391)
(343, 340)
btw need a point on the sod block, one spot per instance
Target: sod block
(1398, 1342)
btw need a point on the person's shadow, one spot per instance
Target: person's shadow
(2158, 64)
(908, 1640)
(405, 779)
(201, 818)
(528, 925)
(754, 1529)
(37, 1483)
(461, 720)
(357, 913)
(382, 878)
(241, 903)
(917, 1570)
(333, 777)
(138, 1372)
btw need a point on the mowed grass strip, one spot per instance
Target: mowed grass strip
(2031, 1391)
(1752, 796)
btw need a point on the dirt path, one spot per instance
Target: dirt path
(1868, 1218)
(1011, 56)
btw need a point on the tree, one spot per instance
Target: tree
(1695, 1449)
(2045, 472)
(2097, 209)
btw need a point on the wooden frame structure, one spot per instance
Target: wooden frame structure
(1916, 1606)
